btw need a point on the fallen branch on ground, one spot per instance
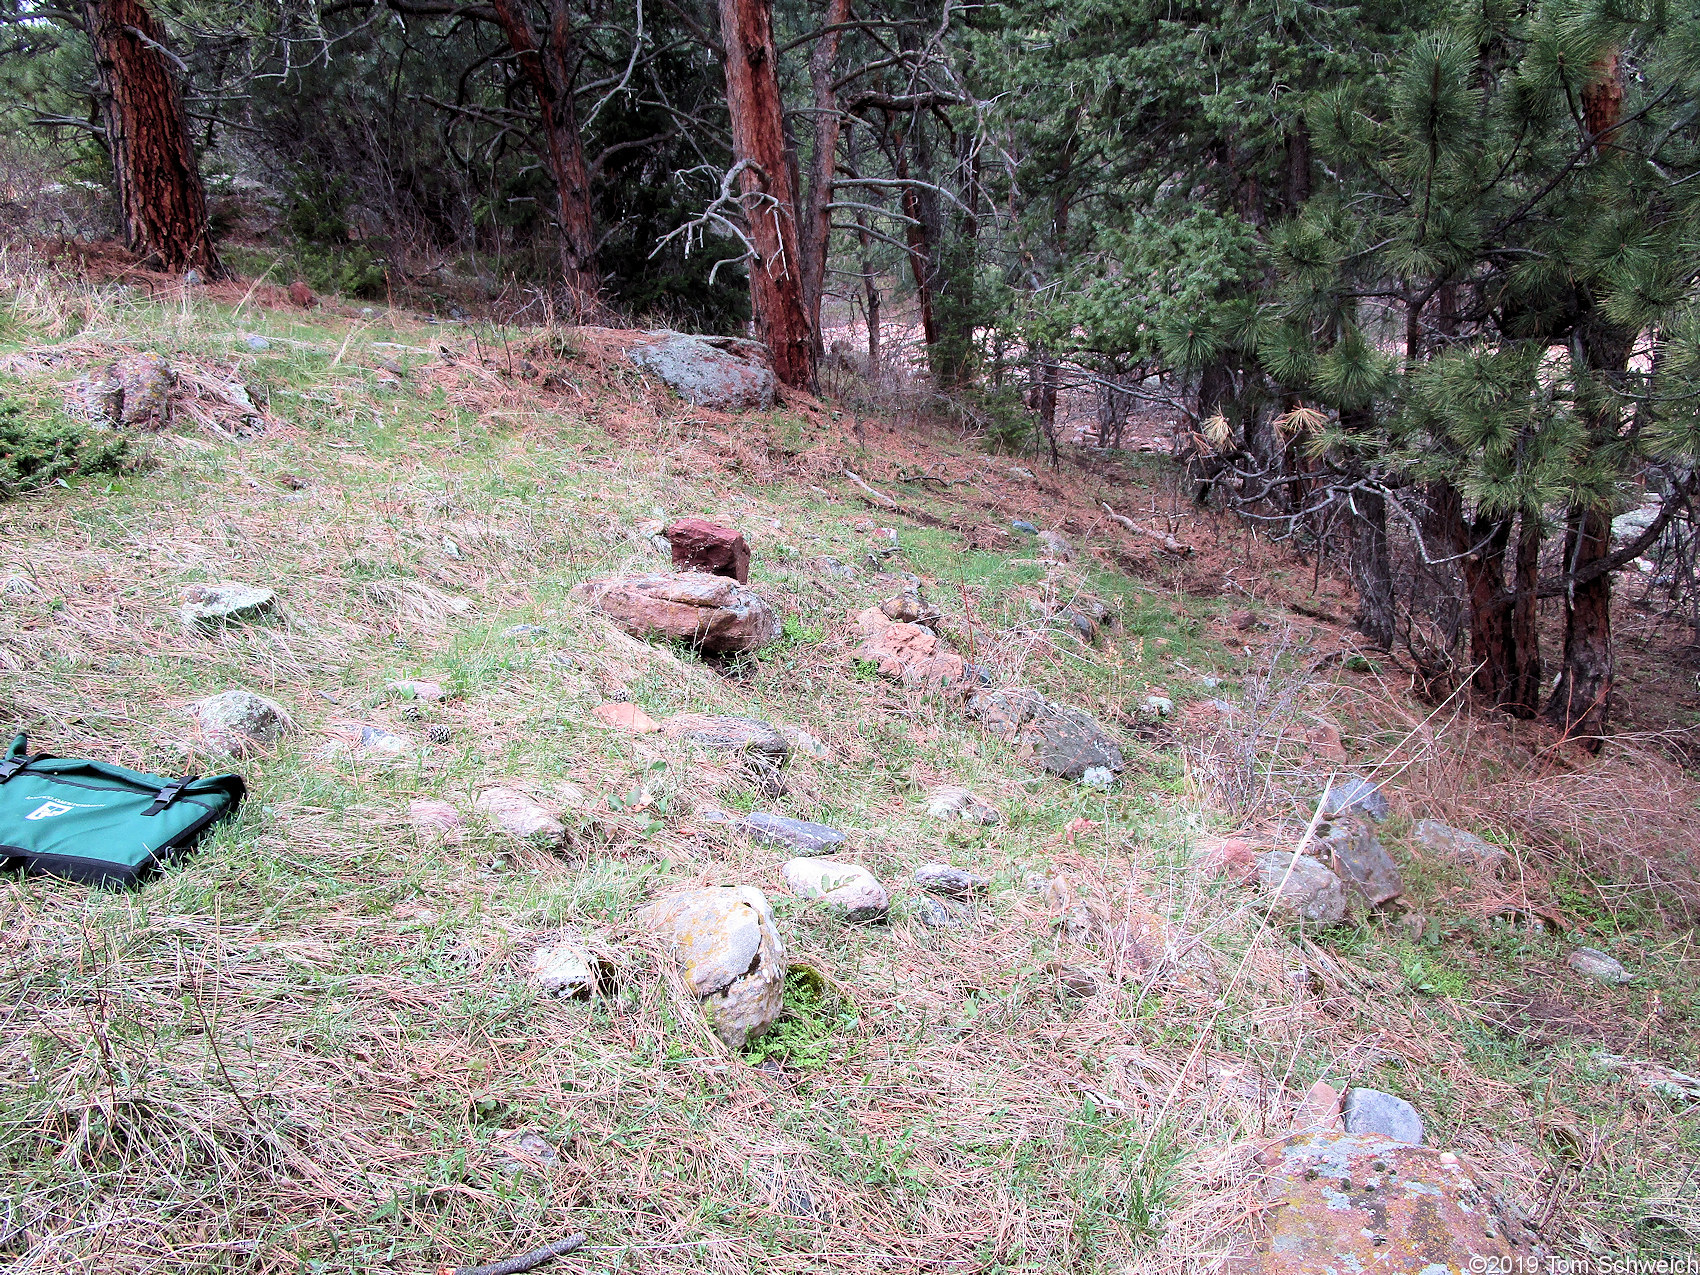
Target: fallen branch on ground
(523, 1262)
(878, 499)
(1161, 537)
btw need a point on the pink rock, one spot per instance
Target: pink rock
(1319, 1110)
(626, 717)
(700, 545)
(905, 652)
(437, 816)
(711, 613)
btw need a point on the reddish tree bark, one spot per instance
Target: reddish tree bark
(161, 201)
(1524, 696)
(770, 204)
(920, 251)
(550, 68)
(816, 230)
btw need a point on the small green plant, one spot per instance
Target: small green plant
(815, 1016)
(797, 630)
(39, 453)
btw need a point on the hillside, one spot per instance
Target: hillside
(313, 1045)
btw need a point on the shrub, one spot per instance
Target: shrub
(34, 453)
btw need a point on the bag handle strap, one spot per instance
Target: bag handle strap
(14, 765)
(168, 794)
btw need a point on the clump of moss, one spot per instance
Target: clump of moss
(34, 453)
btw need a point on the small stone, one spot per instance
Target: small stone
(1210, 683)
(240, 722)
(1056, 546)
(627, 717)
(1244, 621)
(1302, 886)
(1371, 1111)
(256, 343)
(210, 607)
(1595, 964)
(949, 802)
(802, 741)
(527, 1149)
(1355, 796)
(1157, 706)
(377, 742)
(1229, 857)
(1101, 777)
(1020, 471)
(798, 835)
(730, 955)
(748, 737)
(943, 914)
(1022, 525)
(429, 691)
(1074, 981)
(518, 815)
(1460, 846)
(524, 630)
(433, 816)
(564, 967)
(191, 278)
(941, 878)
(702, 546)
(847, 888)
(1319, 1110)
(1361, 861)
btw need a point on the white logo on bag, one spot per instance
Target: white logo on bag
(47, 809)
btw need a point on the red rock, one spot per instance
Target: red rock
(1230, 857)
(1319, 1110)
(626, 717)
(700, 545)
(711, 613)
(301, 294)
(905, 652)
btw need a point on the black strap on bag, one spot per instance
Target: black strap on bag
(168, 794)
(14, 765)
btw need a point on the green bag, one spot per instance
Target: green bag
(98, 823)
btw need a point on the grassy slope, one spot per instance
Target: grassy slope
(302, 1049)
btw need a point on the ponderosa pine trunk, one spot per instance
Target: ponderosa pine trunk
(161, 201)
(770, 204)
(1372, 569)
(550, 68)
(816, 230)
(1524, 696)
(915, 235)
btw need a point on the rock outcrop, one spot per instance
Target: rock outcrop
(722, 373)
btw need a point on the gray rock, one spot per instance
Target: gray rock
(377, 742)
(1210, 683)
(210, 607)
(1098, 777)
(191, 278)
(1056, 546)
(1593, 963)
(241, 722)
(1361, 861)
(730, 955)
(943, 914)
(527, 1149)
(256, 343)
(747, 736)
(798, 835)
(564, 967)
(1460, 846)
(1310, 891)
(524, 630)
(958, 883)
(848, 889)
(725, 374)
(1157, 706)
(1072, 743)
(518, 815)
(1021, 524)
(949, 802)
(1355, 796)
(1371, 1111)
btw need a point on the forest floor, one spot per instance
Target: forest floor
(312, 1046)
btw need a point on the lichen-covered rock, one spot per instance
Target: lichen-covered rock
(1361, 861)
(725, 374)
(730, 955)
(798, 835)
(748, 737)
(1595, 964)
(1056, 546)
(1302, 886)
(956, 883)
(1460, 846)
(1361, 1202)
(948, 802)
(1355, 796)
(1068, 742)
(240, 722)
(847, 889)
(210, 607)
(564, 966)
(710, 613)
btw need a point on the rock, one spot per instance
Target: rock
(730, 955)
(377, 742)
(957, 883)
(1460, 846)
(1229, 857)
(1595, 964)
(302, 295)
(711, 613)
(906, 652)
(256, 343)
(1355, 796)
(134, 391)
(526, 1149)
(1067, 741)
(846, 888)
(803, 742)
(1157, 706)
(1074, 981)
(1319, 1110)
(627, 717)
(725, 374)
(1658, 1077)
(191, 278)
(702, 546)
(210, 607)
(241, 722)
(1022, 525)
(433, 816)
(564, 967)
(746, 736)
(943, 914)
(797, 835)
(1311, 892)
(834, 569)
(1098, 777)
(1244, 621)
(1020, 471)
(518, 815)
(958, 803)
(1056, 546)
(524, 630)
(428, 691)
(1359, 1202)
(1361, 861)
(1371, 1111)
(911, 608)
